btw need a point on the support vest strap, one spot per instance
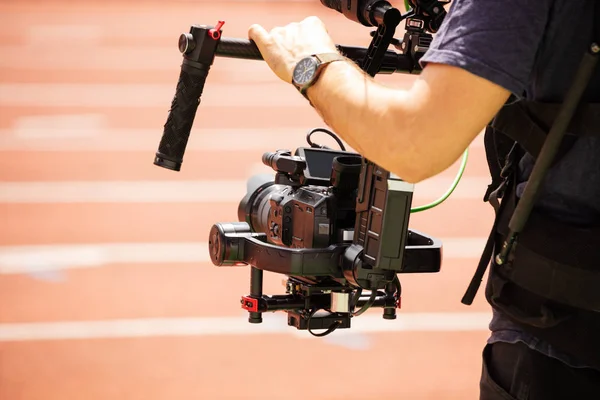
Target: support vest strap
(528, 123)
(554, 260)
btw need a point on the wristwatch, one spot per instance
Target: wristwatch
(309, 68)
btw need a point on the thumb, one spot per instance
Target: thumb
(267, 47)
(260, 36)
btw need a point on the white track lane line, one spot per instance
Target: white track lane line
(188, 191)
(91, 137)
(28, 259)
(228, 95)
(233, 326)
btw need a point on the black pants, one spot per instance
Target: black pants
(515, 372)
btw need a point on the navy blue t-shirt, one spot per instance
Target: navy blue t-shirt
(532, 48)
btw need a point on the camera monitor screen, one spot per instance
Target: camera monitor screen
(319, 161)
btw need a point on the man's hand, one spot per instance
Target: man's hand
(283, 47)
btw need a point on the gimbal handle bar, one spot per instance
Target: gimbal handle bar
(199, 48)
(246, 49)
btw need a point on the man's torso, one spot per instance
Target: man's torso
(533, 49)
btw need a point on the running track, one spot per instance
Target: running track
(106, 291)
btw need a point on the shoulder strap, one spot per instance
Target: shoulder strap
(596, 23)
(586, 70)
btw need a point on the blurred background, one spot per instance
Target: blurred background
(106, 288)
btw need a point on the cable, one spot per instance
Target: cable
(429, 206)
(329, 330)
(355, 298)
(367, 305)
(396, 282)
(333, 135)
(439, 201)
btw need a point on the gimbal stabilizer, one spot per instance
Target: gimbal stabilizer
(332, 221)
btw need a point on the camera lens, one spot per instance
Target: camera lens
(254, 208)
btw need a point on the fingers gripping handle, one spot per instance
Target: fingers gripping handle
(198, 48)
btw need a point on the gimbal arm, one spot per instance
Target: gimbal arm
(246, 49)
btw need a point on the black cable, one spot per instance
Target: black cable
(355, 298)
(329, 330)
(396, 283)
(328, 132)
(367, 305)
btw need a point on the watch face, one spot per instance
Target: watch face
(305, 70)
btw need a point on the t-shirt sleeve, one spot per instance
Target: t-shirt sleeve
(495, 39)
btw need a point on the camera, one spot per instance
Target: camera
(333, 222)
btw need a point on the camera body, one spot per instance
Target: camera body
(310, 201)
(335, 224)
(322, 198)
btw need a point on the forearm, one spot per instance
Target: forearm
(375, 120)
(415, 133)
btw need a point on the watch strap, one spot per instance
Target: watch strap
(324, 60)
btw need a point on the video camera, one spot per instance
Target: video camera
(332, 221)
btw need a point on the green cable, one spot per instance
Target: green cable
(461, 170)
(406, 5)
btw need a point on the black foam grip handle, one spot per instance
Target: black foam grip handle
(333, 4)
(181, 117)
(238, 48)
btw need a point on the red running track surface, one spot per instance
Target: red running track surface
(106, 291)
